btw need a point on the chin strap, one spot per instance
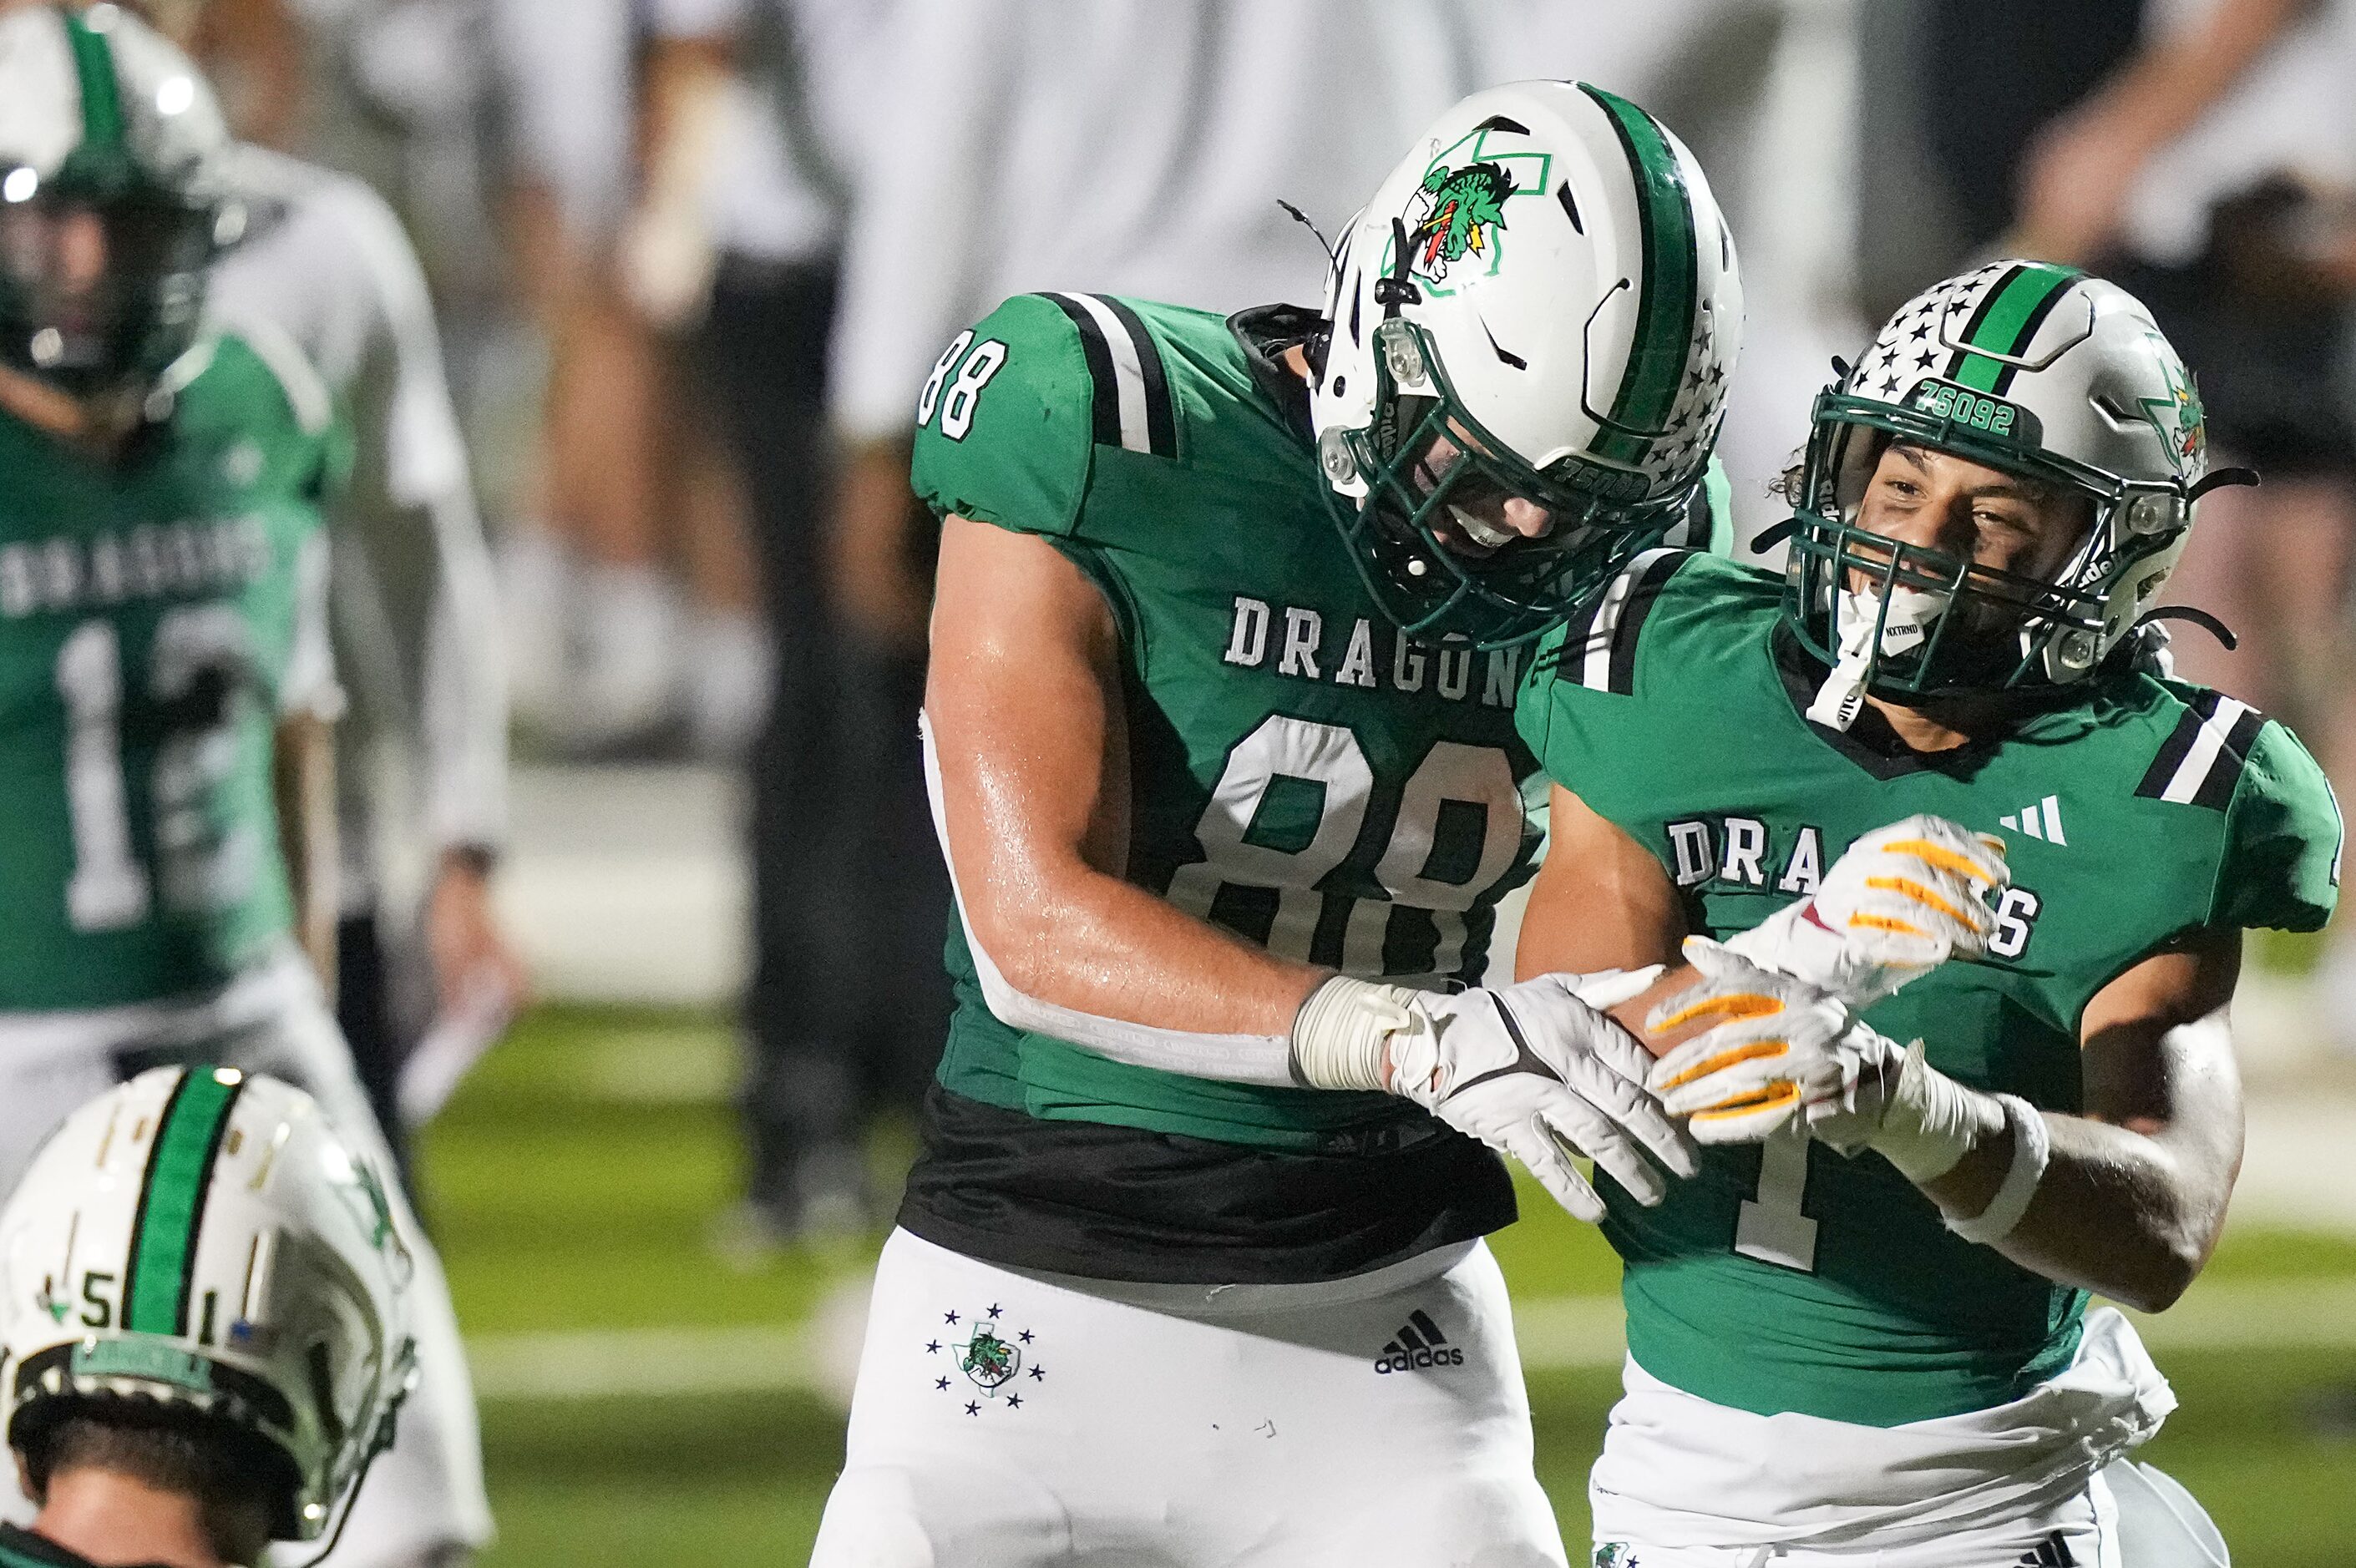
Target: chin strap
(2219, 479)
(1902, 618)
(1398, 288)
(2201, 618)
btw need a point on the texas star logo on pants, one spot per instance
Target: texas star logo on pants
(995, 1358)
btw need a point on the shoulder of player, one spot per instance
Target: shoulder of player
(1701, 607)
(327, 218)
(1018, 408)
(2203, 744)
(251, 376)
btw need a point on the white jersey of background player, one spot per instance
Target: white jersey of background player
(413, 608)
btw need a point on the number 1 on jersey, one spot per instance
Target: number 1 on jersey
(1771, 1227)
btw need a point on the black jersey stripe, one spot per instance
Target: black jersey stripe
(1645, 592)
(2173, 751)
(2201, 760)
(1104, 406)
(1591, 650)
(1160, 415)
(2216, 791)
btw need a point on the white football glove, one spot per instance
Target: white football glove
(1901, 902)
(1535, 1070)
(1788, 1049)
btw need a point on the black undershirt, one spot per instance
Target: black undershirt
(1121, 1203)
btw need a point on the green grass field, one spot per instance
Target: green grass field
(574, 1183)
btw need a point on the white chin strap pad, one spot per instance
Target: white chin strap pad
(1905, 627)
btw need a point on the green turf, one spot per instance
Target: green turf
(570, 1195)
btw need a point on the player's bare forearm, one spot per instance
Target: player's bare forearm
(1600, 901)
(304, 773)
(1100, 945)
(2135, 1191)
(1030, 738)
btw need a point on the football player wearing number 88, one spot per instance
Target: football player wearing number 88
(1860, 1334)
(1230, 614)
(165, 687)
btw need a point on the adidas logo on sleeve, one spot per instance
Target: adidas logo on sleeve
(1419, 1346)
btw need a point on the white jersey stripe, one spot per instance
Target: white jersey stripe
(2207, 747)
(1595, 663)
(1128, 376)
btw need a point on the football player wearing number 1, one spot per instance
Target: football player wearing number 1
(165, 689)
(1190, 1270)
(1861, 1336)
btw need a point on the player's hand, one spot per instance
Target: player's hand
(470, 952)
(1902, 901)
(1536, 1072)
(1786, 1048)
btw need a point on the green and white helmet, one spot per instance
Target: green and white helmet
(2042, 372)
(202, 1239)
(107, 133)
(1546, 284)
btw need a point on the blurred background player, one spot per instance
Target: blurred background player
(421, 749)
(203, 1323)
(630, 475)
(164, 628)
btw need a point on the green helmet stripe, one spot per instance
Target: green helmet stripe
(1665, 303)
(2007, 318)
(102, 94)
(172, 1201)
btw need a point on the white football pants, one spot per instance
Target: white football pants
(1005, 1418)
(2041, 1482)
(423, 1497)
(2130, 1516)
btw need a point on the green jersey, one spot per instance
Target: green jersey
(149, 616)
(1301, 774)
(1788, 1277)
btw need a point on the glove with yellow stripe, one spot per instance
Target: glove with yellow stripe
(1786, 1048)
(1901, 902)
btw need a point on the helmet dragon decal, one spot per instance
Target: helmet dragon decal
(1459, 211)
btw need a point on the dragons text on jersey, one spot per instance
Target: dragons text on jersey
(2159, 808)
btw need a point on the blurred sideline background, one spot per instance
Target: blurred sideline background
(691, 261)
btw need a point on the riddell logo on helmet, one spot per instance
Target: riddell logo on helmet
(1419, 1346)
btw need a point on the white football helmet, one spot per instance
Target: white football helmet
(1546, 284)
(105, 127)
(202, 1239)
(2036, 370)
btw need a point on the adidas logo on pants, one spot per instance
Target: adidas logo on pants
(1419, 1346)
